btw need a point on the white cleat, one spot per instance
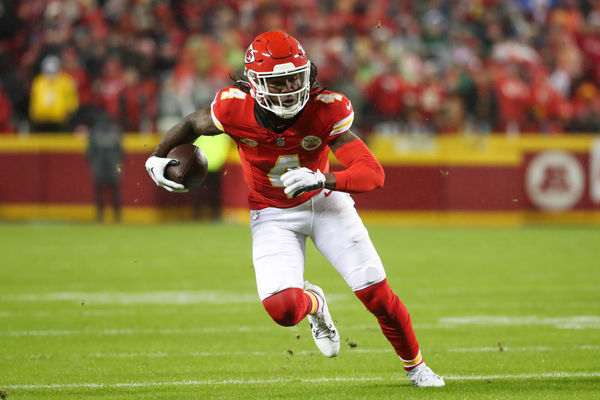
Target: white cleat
(324, 333)
(423, 376)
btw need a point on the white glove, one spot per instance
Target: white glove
(300, 180)
(156, 169)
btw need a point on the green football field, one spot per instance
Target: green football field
(171, 312)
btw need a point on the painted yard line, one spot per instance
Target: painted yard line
(293, 380)
(171, 331)
(512, 289)
(161, 354)
(595, 374)
(170, 308)
(158, 297)
(92, 311)
(191, 354)
(109, 332)
(521, 348)
(575, 322)
(572, 322)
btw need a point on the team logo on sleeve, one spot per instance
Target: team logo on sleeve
(249, 142)
(311, 142)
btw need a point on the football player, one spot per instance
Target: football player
(284, 127)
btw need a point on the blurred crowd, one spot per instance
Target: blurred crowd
(430, 66)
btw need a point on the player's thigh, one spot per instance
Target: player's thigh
(277, 252)
(340, 235)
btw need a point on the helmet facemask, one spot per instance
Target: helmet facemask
(276, 101)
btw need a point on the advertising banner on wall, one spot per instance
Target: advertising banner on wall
(555, 180)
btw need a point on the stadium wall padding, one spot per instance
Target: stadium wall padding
(530, 178)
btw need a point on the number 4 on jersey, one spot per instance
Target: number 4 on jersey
(233, 93)
(329, 97)
(281, 166)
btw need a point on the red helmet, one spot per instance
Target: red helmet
(276, 54)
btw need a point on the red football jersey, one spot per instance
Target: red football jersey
(266, 155)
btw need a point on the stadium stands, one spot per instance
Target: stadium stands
(440, 66)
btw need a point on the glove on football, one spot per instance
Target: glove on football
(300, 180)
(156, 169)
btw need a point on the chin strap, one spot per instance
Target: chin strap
(363, 172)
(272, 122)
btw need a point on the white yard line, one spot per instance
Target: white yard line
(521, 348)
(160, 354)
(110, 332)
(571, 322)
(294, 380)
(129, 298)
(157, 297)
(574, 322)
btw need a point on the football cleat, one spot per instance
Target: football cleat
(326, 337)
(423, 376)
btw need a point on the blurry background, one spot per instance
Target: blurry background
(481, 111)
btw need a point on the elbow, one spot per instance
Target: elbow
(379, 176)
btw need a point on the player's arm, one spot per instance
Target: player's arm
(363, 172)
(196, 124)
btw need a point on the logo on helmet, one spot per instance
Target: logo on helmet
(250, 55)
(302, 52)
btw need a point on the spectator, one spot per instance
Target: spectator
(549, 108)
(514, 99)
(132, 101)
(6, 125)
(586, 109)
(189, 48)
(110, 86)
(15, 94)
(72, 66)
(386, 100)
(54, 98)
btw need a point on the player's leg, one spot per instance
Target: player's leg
(278, 249)
(289, 306)
(116, 199)
(278, 253)
(99, 200)
(339, 234)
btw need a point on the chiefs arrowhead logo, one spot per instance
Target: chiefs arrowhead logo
(250, 55)
(311, 142)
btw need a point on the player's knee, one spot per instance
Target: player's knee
(379, 298)
(285, 307)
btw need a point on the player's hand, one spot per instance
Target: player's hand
(156, 169)
(300, 180)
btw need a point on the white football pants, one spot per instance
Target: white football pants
(279, 243)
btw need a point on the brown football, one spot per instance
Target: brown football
(192, 167)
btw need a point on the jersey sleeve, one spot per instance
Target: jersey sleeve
(214, 110)
(220, 108)
(340, 112)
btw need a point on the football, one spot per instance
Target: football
(192, 167)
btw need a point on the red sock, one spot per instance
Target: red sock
(289, 306)
(394, 320)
